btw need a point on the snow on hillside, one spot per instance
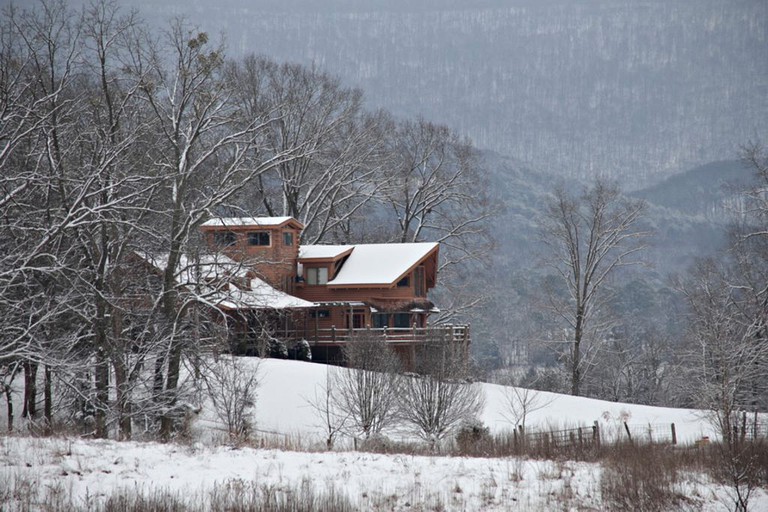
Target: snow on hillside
(91, 470)
(285, 386)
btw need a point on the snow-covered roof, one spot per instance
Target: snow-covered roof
(323, 251)
(205, 267)
(380, 264)
(246, 221)
(260, 296)
(209, 277)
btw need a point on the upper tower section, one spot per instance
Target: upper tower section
(268, 245)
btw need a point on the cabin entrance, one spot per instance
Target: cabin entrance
(356, 319)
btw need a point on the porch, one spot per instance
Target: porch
(327, 344)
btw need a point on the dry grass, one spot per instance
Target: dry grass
(643, 478)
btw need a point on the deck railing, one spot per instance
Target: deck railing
(336, 336)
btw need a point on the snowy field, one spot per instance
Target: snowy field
(90, 470)
(285, 385)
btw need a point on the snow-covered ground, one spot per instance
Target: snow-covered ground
(285, 386)
(91, 469)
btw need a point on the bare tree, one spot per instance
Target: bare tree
(587, 237)
(522, 401)
(727, 375)
(328, 185)
(328, 409)
(437, 400)
(755, 157)
(368, 389)
(434, 190)
(231, 386)
(206, 153)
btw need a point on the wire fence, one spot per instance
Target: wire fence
(746, 427)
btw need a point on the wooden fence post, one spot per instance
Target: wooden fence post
(674, 434)
(333, 333)
(629, 434)
(596, 433)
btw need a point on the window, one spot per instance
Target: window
(320, 313)
(225, 239)
(404, 282)
(402, 319)
(287, 238)
(379, 320)
(258, 238)
(318, 275)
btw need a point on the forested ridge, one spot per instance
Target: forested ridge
(632, 90)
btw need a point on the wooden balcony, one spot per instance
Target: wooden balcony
(394, 335)
(327, 345)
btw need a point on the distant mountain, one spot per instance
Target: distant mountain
(706, 190)
(637, 90)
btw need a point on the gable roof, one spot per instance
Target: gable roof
(245, 222)
(324, 252)
(377, 264)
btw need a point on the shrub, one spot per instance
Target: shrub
(474, 438)
(277, 349)
(303, 351)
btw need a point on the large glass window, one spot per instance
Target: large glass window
(380, 320)
(258, 238)
(317, 275)
(402, 319)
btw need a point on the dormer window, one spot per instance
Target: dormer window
(260, 238)
(317, 275)
(225, 239)
(287, 238)
(404, 282)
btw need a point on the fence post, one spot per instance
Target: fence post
(581, 440)
(674, 434)
(743, 426)
(596, 433)
(629, 434)
(755, 430)
(333, 333)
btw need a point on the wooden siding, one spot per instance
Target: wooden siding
(275, 263)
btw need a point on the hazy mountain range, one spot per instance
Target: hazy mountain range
(638, 90)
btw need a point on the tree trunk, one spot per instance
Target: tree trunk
(576, 370)
(125, 427)
(9, 407)
(48, 404)
(30, 390)
(102, 395)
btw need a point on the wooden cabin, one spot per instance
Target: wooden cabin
(355, 290)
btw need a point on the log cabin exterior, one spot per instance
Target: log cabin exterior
(342, 291)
